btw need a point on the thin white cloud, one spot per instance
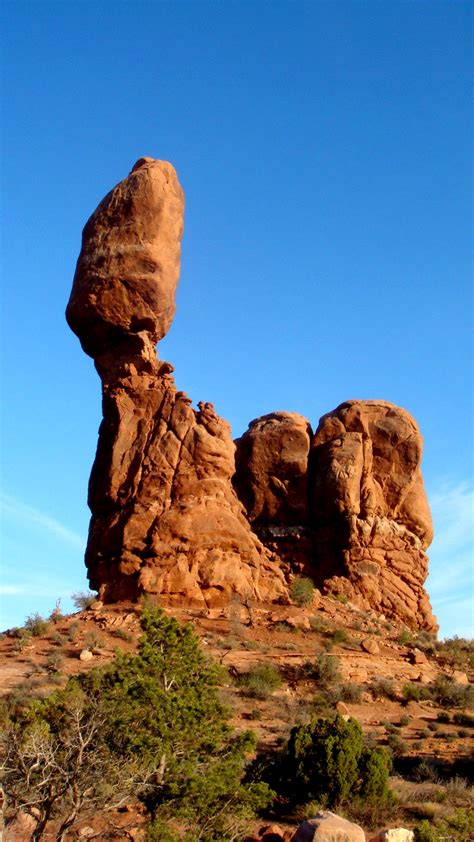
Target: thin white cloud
(450, 583)
(11, 590)
(29, 515)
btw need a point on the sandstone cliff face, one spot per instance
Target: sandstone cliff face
(346, 506)
(175, 510)
(165, 518)
(369, 509)
(271, 480)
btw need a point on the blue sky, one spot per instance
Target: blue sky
(324, 149)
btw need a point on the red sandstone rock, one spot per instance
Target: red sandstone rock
(165, 517)
(272, 469)
(328, 827)
(346, 506)
(128, 268)
(370, 511)
(271, 480)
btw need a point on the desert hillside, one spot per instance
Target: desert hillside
(283, 664)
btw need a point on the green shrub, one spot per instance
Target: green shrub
(443, 716)
(54, 662)
(162, 831)
(457, 652)
(318, 624)
(464, 719)
(424, 832)
(260, 681)
(396, 745)
(458, 787)
(22, 639)
(405, 638)
(83, 599)
(384, 687)
(415, 693)
(350, 692)
(425, 770)
(73, 631)
(56, 614)
(302, 591)
(93, 640)
(255, 646)
(36, 625)
(326, 671)
(339, 636)
(122, 634)
(151, 725)
(449, 694)
(326, 761)
(459, 826)
(320, 702)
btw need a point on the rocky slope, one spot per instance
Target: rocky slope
(375, 662)
(174, 511)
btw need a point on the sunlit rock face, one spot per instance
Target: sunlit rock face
(165, 518)
(271, 479)
(177, 508)
(346, 505)
(371, 519)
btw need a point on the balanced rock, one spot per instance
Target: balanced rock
(328, 827)
(371, 516)
(178, 509)
(128, 268)
(165, 517)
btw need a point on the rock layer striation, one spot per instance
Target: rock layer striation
(177, 508)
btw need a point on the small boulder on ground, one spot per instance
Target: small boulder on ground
(328, 827)
(20, 829)
(85, 655)
(271, 833)
(460, 677)
(395, 834)
(416, 656)
(371, 646)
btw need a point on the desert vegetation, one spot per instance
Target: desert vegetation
(159, 721)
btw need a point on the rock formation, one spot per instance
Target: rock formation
(346, 506)
(174, 510)
(271, 480)
(165, 518)
(371, 519)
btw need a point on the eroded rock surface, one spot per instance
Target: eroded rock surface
(328, 827)
(165, 517)
(346, 505)
(271, 480)
(369, 509)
